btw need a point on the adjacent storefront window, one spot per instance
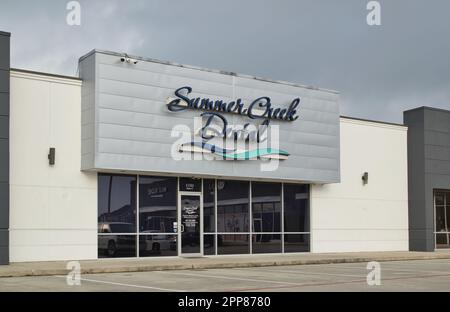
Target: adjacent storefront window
(116, 216)
(157, 216)
(266, 215)
(209, 217)
(442, 218)
(296, 218)
(137, 216)
(233, 217)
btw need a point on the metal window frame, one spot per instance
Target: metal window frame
(216, 233)
(444, 192)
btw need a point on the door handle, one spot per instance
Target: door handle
(181, 228)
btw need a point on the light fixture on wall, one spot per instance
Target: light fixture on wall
(52, 156)
(365, 178)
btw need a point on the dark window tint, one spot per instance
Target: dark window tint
(158, 245)
(116, 246)
(208, 206)
(116, 203)
(233, 244)
(266, 203)
(296, 208)
(296, 243)
(209, 245)
(441, 224)
(443, 240)
(266, 243)
(232, 206)
(157, 204)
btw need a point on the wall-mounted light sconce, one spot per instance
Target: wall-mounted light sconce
(52, 156)
(365, 178)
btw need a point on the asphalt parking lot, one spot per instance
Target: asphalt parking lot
(418, 275)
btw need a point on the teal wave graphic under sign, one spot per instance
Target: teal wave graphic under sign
(232, 154)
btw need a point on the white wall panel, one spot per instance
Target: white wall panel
(53, 208)
(350, 216)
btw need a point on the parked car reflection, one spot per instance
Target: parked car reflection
(112, 245)
(156, 244)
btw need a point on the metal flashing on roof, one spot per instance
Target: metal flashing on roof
(144, 59)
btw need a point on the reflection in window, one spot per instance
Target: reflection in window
(296, 243)
(208, 206)
(266, 203)
(232, 206)
(209, 245)
(157, 204)
(442, 219)
(296, 208)
(116, 204)
(233, 244)
(266, 243)
(116, 246)
(157, 245)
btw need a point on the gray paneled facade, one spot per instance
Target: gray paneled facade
(4, 146)
(126, 125)
(428, 169)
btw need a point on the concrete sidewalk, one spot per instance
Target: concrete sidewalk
(141, 265)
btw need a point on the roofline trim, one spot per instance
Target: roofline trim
(428, 108)
(375, 121)
(144, 59)
(4, 33)
(25, 71)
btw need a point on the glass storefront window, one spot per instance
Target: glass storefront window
(157, 204)
(190, 185)
(296, 208)
(116, 246)
(233, 244)
(116, 204)
(296, 243)
(266, 207)
(209, 221)
(266, 243)
(158, 245)
(209, 245)
(442, 218)
(232, 206)
(153, 233)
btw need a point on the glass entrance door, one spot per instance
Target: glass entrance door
(190, 216)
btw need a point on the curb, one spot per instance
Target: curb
(223, 265)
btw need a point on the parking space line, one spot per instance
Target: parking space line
(335, 283)
(127, 285)
(304, 272)
(232, 278)
(390, 266)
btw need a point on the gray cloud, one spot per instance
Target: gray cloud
(380, 71)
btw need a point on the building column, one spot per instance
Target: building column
(4, 146)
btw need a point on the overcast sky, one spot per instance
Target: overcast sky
(379, 70)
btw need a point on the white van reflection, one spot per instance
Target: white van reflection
(157, 243)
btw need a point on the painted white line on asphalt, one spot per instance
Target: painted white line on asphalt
(233, 278)
(126, 285)
(386, 266)
(307, 273)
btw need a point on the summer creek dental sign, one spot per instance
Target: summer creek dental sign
(261, 108)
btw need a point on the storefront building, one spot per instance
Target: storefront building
(143, 158)
(429, 178)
